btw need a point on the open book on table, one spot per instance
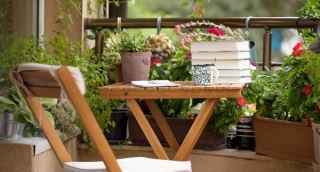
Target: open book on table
(154, 83)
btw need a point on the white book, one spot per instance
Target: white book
(233, 80)
(154, 83)
(229, 64)
(234, 73)
(216, 56)
(220, 46)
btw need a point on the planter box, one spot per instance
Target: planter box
(32, 155)
(209, 139)
(284, 140)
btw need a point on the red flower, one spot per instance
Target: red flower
(298, 50)
(241, 101)
(215, 31)
(188, 55)
(155, 61)
(307, 90)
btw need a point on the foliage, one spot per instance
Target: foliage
(311, 9)
(131, 42)
(226, 113)
(292, 92)
(61, 51)
(174, 68)
(63, 116)
(14, 103)
(301, 83)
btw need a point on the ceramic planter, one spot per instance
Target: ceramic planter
(284, 140)
(209, 140)
(135, 66)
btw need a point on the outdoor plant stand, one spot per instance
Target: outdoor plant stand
(186, 90)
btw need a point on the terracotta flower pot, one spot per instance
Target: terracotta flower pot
(135, 66)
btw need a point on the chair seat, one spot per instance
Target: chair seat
(137, 164)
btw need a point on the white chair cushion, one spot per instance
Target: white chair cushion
(76, 73)
(137, 164)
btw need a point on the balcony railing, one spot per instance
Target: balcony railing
(266, 23)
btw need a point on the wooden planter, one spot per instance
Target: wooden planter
(209, 140)
(284, 140)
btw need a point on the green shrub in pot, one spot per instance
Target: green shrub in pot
(135, 56)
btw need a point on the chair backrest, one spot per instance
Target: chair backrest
(35, 84)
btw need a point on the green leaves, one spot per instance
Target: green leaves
(132, 42)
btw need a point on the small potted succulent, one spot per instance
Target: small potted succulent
(135, 56)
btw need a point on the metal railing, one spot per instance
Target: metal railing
(266, 23)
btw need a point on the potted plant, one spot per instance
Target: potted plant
(285, 100)
(118, 8)
(135, 56)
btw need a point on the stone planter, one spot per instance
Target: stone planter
(209, 140)
(135, 66)
(284, 140)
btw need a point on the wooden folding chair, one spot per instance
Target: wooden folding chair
(36, 80)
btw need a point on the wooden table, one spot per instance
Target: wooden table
(186, 90)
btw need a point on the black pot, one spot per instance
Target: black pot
(119, 132)
(118, 10)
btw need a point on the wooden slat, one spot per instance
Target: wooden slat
(49, 92)
(185, 91)
(195, 131)
(147, 130)
(45, 124)
(88, 120)
(39, 78)
(162, 124)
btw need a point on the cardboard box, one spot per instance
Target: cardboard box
(32, 155)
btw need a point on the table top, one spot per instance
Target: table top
(185, 90)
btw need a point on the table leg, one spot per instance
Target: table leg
(147, 129)
(195, 131)
(162, 124)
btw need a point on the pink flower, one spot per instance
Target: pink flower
(307, 90)
(215, 31)
(177, 29)
(241, 101)
(298, 50)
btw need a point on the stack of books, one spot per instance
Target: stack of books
(231, 58)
